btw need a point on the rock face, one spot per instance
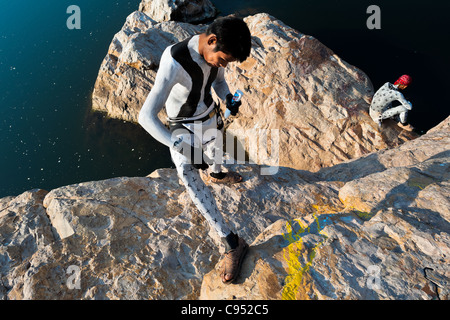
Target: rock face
(387, 238)
(294, 88)
(178, 10)
(315, 101)
(118, 235)
(376, 227)
(321, 226)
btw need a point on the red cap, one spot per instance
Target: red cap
(404, 79)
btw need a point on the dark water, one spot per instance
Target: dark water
(48, 137)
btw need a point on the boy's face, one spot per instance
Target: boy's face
(216, 58)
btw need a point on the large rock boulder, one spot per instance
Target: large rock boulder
(191, 11)
(316, 102)
(294, 87)
(130, 238)
(126, 238)
(377, 233)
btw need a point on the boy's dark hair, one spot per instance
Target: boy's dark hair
(233, 37)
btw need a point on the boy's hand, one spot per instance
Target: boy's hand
(232, 106)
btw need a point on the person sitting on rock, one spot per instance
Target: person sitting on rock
(381, 106)
(183, 83)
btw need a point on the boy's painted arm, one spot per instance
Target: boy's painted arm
(148, 116)
(220, 85)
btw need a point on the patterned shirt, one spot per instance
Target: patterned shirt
(383, 98)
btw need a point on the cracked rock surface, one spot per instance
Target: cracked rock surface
(294, 87)
(369, 228)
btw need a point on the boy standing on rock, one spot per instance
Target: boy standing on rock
(381, 107)
(183, 84)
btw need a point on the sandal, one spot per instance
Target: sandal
(230, 178)
(232, 262)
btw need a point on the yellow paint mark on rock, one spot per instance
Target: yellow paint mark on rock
(292, 254)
